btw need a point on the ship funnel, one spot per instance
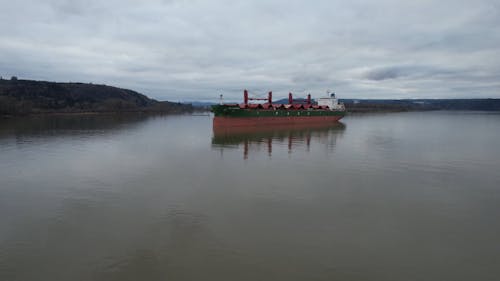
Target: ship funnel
(290, 98)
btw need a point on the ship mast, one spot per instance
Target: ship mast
(246, 98)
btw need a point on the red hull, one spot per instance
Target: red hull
(263, 121)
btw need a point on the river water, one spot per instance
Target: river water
(399, 196)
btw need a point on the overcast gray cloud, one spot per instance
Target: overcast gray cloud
(186, 50)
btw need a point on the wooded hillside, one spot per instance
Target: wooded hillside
(21, 97)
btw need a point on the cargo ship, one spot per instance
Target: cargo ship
(325, 110)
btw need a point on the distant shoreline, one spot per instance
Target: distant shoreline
(29, 97)
(361, 105)
(91, 113)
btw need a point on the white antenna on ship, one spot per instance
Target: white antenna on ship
(330, 94)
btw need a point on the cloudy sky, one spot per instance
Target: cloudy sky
(184, 50)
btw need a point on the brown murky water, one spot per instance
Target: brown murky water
(401, 196)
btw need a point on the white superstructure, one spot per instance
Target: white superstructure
(331, 101)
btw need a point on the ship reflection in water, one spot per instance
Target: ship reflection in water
(295, 137)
